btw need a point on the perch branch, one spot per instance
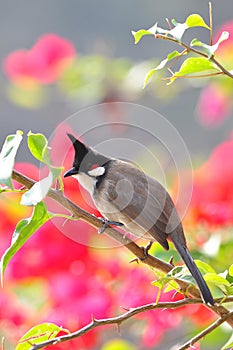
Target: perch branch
(128, 243)
(206, 331)
(120, 319)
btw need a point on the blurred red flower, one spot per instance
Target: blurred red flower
(77, 280)
(43, 63)
(212, 199)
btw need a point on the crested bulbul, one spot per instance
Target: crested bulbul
(123, 193)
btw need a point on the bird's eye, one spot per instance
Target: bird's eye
(94, 166)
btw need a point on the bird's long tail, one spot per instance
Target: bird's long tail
(186, 256)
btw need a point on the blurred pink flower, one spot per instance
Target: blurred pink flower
(215, 101)
(78, 281)
(225, 50)
(43, 63)
(213, 106)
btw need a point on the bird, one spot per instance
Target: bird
(125, 195)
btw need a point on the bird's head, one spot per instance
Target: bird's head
(86, 161)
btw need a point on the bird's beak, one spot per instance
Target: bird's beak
(71, 172)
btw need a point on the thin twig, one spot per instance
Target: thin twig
(200, 53)
(124, 240)
(184, 52)
(206, 331)
(192, 76)
(211, 23)
(118, 320)
(169, 23)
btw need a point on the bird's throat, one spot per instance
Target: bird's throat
(86, 181)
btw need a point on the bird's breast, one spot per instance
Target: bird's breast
(112, 213)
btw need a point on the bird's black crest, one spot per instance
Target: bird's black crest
(80, 150)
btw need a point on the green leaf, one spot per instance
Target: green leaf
(216, 279)
(38, 146)
(193, 65)
(39, 334)
(162, 64)
(7, 157)
(228, 344)
(204, 267)
(166, 281)
(181, 273)
(231, 270)
(24, 229)
(228, 290)
(40, 189)
(196, 20)
(142, 32)
(179, 29)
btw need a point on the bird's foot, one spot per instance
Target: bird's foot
(107, 223)
(146, 250)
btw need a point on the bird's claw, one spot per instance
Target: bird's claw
(107, 223)
(146, 250)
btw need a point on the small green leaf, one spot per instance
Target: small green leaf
(172, 55)
(142, 32)
(228, 344)
(216, 280)
(38, 146)
(204, 267)
(179, 29)
(181, 273)
(228, 290)
(174, 22)
(7, 157)
(161, 282)
(24, 229)
(166, 281)
(194, 65)
(231, 270)
(196, 20)
(149, 75)
(39, 334)
(162, 64)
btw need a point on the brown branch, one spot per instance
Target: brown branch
(198, 52)
(3, 344)
(193, 76)
(118, 320)
(211, 23)
(206, 331)
(128, 243)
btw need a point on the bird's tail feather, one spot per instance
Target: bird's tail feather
(186, 256)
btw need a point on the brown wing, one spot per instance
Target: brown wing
(142, 202)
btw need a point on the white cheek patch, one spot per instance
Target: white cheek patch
(100, 170)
